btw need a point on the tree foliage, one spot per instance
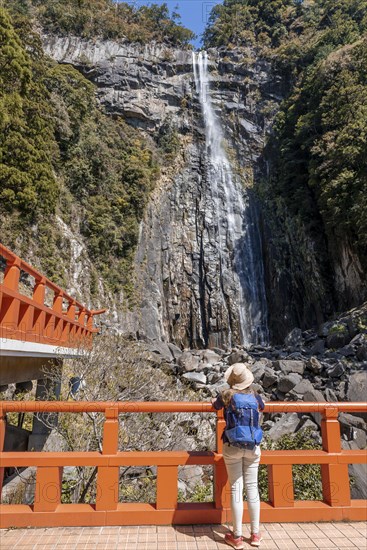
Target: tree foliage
(322, 139)
(27, 180)
(61, 156)
(239, 22)
(108, 19)
(319, 148)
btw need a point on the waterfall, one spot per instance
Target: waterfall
(238, 235)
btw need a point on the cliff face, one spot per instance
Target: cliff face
(190, 288)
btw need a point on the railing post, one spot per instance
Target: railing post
(26, 314)
(81, 316)
(71, 316)
(90, 321)
(10, 305)
(39, 291)
(79, 329)
(12, 274)
(108, 476)
(221, 486)
(39, 317)
(335, 477)
(57, 307)
(167, 487)
(48, 488)
(2, 439)
(281, 493)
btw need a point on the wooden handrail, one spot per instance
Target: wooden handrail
(47, 509)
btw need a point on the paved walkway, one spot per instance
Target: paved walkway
(208, 537)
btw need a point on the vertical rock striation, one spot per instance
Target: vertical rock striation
(216, 263)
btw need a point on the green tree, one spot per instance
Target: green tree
(62, 157)
(26, 148)
(106, 19)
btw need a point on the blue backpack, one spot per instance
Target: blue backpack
(242, 421)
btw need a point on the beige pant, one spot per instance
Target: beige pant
(242, 466)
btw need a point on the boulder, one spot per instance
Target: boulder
(279, 395)
(361, 353)
(318, 348)
(358, 472)
(269, 378)
(287, 424)
(258, 370)
(313, 395)
(337, 339)
(314, 365)
(358, 436)
(175, 350)
(287, 383)
(331, 356)
(330, 396)
(294, 338)
(336, 371)
(209, 356)
(302, 387)
(190, 475)
(195, 377)
(287, 366)
(349, 420)
(205, 432)
(160, 348)
(347, 351)
(257, 387)
(359, 340)
(188, 361)
(218, 388)
(213, 377)
(219, 351)
(341, 390)
(297, 355)
(357, 389)
(309, 336)
(237, 357)
(308, 424)
(325, 328)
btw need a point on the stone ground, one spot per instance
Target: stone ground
(205, 537)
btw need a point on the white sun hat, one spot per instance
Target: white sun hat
(239, 376)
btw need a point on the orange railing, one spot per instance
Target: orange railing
(65, 323)
(48, 510)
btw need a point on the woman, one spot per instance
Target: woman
(242, 463)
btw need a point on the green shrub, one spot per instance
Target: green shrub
(106, 19)
(306, 477)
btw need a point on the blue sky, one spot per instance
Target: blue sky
(194, 13)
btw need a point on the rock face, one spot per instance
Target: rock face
(185, 260)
